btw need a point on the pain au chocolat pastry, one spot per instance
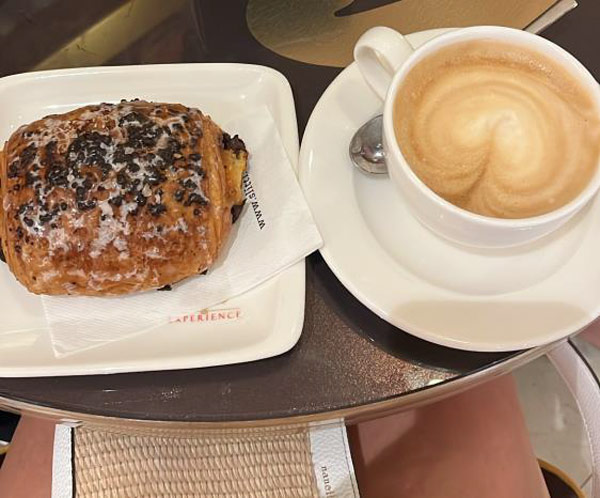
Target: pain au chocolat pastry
(111, 199)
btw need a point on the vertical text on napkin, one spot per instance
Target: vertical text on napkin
(251, 197)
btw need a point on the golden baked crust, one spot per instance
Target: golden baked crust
(111, 199)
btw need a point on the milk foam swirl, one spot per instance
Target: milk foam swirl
(497, 129)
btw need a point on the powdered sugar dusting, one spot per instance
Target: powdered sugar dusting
(104, 167)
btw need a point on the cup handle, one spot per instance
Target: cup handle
(379, 53)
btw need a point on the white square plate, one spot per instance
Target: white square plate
(264, 322)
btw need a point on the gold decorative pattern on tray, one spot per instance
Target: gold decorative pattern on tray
(313, 31)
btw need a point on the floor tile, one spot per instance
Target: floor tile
(587, 489)
(553, 419)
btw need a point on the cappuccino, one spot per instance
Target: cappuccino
(497, 129)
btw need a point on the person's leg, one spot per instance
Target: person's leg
(27, 470)
(474, 444)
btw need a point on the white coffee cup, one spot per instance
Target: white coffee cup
(384, 58)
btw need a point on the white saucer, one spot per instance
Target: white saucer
(479, 300)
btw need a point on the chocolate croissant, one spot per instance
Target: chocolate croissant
(112, 199)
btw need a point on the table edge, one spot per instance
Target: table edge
(351, 415)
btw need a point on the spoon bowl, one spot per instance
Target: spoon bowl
(366, 147)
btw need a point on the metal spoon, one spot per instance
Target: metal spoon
(366, 147)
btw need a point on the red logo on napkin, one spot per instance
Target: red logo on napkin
(219, 315)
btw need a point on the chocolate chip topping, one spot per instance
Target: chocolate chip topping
(118, 168)
(116, 201)
(236, 210)
(195, 199)
(235, 143)
(157, 209)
